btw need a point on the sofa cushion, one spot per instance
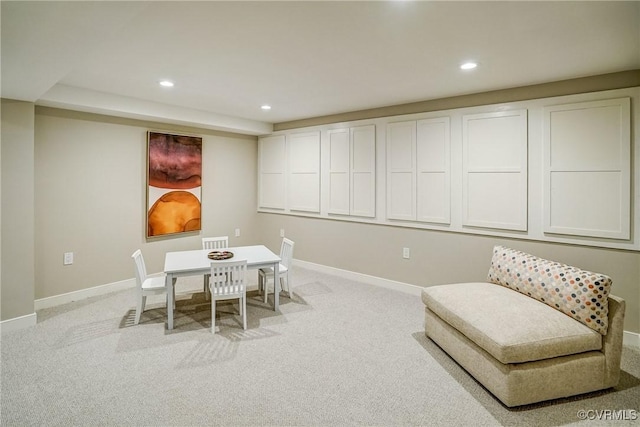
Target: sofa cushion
(510, 326)
(578, 293)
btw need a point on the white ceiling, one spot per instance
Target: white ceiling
(306, 59)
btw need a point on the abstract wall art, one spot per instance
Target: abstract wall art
(174, 184)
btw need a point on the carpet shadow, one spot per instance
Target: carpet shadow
(79, 334)
(149, 316)
(221, 347)
(193, 313)
(192, 323)
(312, 289)
(556, 412)
(209, 352)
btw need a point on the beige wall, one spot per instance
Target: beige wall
(90, 181)
(86, 174)
(17, 210)
(438, 257)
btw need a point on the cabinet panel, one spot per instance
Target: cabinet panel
(494, 193)
(494, 200)
(304, 192)
(272, 154)
(339, 193)
(587, 202)
(401, 140)
(400, 196)
(271, 191)
(363, 194)
(587, 162)
(364, 149)
(401, 165)
(433, 144)
(363, 171)
(352, 171)
(339, 154)
(585, 138)
(339, 150)
(304, 171)
(271, 179)
(304, 152)
(434, 186)
(494, 141)
(433, 170)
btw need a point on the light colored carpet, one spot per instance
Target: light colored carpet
(339, 353)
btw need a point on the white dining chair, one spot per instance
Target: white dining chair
(228, 281)
(147, 285)
(266, 274)
(215, 242)
(219, 242)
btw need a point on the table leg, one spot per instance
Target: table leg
(276, 286)
(170, 300)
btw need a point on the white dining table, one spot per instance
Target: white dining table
(196, 262)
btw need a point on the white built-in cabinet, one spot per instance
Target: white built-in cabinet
(339, 172)
(289, 172)
(418, 169)
(587, 169)
(272, 172)
(304, 171)
(401, 173)
(433, 165)
(556, 169)
(494, 170)
(352, 166)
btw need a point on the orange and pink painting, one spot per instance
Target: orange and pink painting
(174, 184)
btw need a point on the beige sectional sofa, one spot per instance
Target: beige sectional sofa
(536, 330)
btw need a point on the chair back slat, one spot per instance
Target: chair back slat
(140, 268)
(215, 242)
(286, 252)
(228, 277)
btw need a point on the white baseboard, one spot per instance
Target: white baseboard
(84, 294)
(630, 339)
(31, 319)
(17, 323)
(351, 275)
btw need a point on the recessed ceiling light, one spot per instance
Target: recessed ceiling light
(166, 83)
(266, 107)
(469, 65)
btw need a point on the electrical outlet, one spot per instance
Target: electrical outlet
(237, 232)
(68, 258)
(282, 232)
(406, 253)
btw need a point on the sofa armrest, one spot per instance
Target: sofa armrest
(612, 341)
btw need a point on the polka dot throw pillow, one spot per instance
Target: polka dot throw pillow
(580, 294)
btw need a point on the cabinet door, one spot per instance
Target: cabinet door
(587, 170)
(494, 150)
(433, 170)
(339, 160)
(401, 164)
(271, 180)
(304, 172)
(363, 171)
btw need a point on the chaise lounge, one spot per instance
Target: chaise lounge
(536, 330)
